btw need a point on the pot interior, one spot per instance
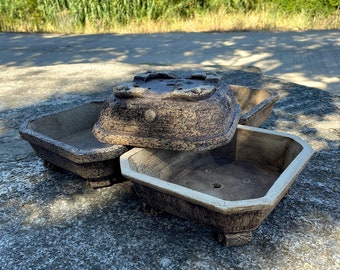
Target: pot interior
(248, 98)
(72, 127)
(244, 169)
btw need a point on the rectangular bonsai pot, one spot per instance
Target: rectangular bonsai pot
(64, 140)
(232, 188)
(256, 104)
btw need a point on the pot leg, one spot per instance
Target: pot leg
(234, 239)
(150, 210)
(51, 166)
(106, 182)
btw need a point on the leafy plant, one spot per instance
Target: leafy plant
(72, 15)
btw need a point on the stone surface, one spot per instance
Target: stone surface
(178, 111)
(52, 220)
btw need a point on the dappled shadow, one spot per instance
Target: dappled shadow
(47, 210)
(292, 55)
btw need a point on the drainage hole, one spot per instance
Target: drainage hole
(217, 185)
(246, 180)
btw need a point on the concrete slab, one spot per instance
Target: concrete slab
(52, 220)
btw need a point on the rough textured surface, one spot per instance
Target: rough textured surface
(178, 111)
(52, 220)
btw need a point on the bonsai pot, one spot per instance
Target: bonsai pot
(161, 110)
(256, 104)
(65, 140)
(232, 188)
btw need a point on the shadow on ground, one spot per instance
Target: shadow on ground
(52, 220)
(288, 53)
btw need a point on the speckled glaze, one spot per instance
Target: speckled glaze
(161, 110)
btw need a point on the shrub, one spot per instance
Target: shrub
(39, 15)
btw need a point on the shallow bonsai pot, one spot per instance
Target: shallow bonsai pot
(256, 104)
(65, 140)
(161, 110)
(232, 188)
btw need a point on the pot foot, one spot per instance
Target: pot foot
(51, 166)
(234, 239)
(99, 183)
(150, 210)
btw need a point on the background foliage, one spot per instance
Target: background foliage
(39, 15)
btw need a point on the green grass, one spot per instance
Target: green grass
(99, 16)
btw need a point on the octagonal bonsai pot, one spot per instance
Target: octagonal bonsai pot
(232, 188)
(64, 140)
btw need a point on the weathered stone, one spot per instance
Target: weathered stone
(161, 110)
